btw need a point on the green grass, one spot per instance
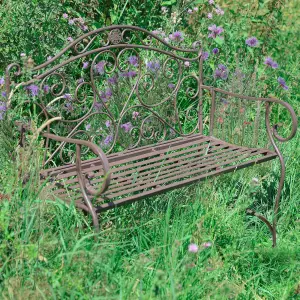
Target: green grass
(49, 250)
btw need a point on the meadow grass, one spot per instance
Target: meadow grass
(49, 250)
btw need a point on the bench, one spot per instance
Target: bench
(126, 115)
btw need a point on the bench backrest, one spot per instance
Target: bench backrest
(120, 87)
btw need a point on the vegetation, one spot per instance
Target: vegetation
(191, 243)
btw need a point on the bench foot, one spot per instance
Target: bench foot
(271, 227)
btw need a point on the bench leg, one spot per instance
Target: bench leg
(272, 226)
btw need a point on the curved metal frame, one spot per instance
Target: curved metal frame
(115, 37)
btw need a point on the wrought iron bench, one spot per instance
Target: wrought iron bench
(141, 106)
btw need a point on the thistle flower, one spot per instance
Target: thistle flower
(113, 80)
(85, 65)
(176, 36)
(84, 28)
(33, 89)
(215, 51)
(98, 106)
(207, 244)
(205, 55)
(269, 62)
(99, 67)
(49, 57)
(219, 11)
(127, 126)
(133, 60)
(23, 54)
(209, 15)
(221, 72)
(71, 22)
(88, 127)
(193, 248)
(135, 115)
(107, 123)
(65, 16)
(108, 139)
(80, 80)
(211, 2)
(190, 11)
(195, 8)
(2, 81)
(3, 109)
(69, 107)
(46, 89)
(67, 96)
(171, 86)
(153, 65)
(3, 94)
(70, 39)
(215, 31)
(282, 83)
(186, 64)
(252, 41)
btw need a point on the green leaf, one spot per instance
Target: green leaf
(170, 2)
(219, 40)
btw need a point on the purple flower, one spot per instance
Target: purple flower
(282, 83)
(108, 93)
(209, 15)
(49, 58)
(113, 80)
(211, 2)
(252, 41)
(71, 22)
(46, 89)
(88, 127)
(2, 81)
(98, 105)
(65, 16)
(153, 65)
(167, 40)
(129, 74)
(207, 244)
(215, 31)
(99, 67)
(107, 123)
(3, 94)
(171, 86)
(205, 55)
(219, 11)
(34, 89)
(67, 96)
(70, 39)
(195, 8)
(176, 36)
(215, 51)
(84, 28)
(22, 54)
(135, 114)
(190, 11)
(127, 126)
(221, 72)
(193, 248)
(133, 60)
(186, 64)
(85, 65)
(269, 62)
(108, 139)
(3, 109)
(80, 80)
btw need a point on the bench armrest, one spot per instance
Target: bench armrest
(271, 130)
(98, 151)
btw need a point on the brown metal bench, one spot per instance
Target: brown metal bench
(140, 105)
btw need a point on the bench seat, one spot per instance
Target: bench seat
(150, 170)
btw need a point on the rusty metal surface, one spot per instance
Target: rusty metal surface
(154, 161)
